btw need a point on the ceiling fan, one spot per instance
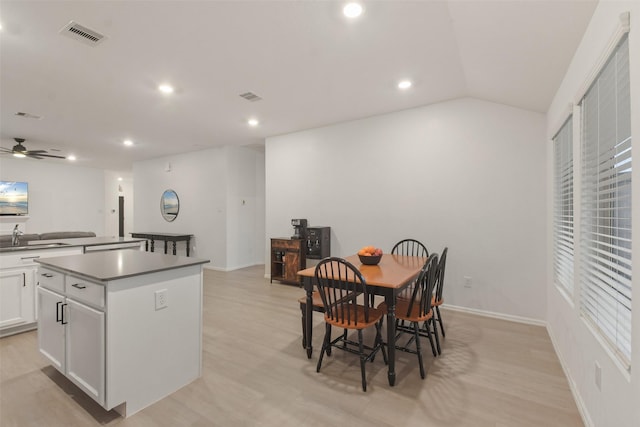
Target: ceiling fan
(20, 150)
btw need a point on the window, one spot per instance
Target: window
(605, 274)
(563, 206)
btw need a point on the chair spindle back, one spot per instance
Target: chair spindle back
(410, 247)
(423, 289)
(340, 283)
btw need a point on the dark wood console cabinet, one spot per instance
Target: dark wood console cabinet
(287, 258)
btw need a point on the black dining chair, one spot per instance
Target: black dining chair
(347, 305)
(417, 312)
(410, 247)
(437, 296)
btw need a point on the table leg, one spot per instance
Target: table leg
(174, 247)
(308, 286)
(146, 245)
(188, 240)
(153, 245)
(165, 247)
(391, 336)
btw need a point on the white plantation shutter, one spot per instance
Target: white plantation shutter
(563, 206)
(605, 274)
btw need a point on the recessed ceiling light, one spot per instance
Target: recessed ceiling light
(128, 142)
(253, 122)
(352, 10)
(165, 88)
(119, 178)
(71, 157)
(404, 84)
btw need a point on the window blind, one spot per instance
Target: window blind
(563, 206)
(605, 266)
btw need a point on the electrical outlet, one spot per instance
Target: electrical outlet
(598, 376)
(161, 299)
(467, 281)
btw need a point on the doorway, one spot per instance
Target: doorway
(121, 216)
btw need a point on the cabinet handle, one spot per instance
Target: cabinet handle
(58, 317)
(48, 275)
(79, 286)
(63, 322)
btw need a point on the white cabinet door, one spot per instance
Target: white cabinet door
(16, 297)
(85, 348)
(51, 330)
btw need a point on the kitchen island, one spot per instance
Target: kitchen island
(124, 326)
(18, 281)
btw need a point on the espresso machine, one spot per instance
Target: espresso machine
(299, 228)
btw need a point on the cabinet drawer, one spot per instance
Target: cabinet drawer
(51, 279)
(85, 291)
(286, 244)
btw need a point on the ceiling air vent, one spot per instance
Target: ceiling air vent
(250, 96)
(82, 33)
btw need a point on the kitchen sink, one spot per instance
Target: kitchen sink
(6, 246)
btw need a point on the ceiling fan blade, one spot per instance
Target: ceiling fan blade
(6, 150)
(46, 155)
(33, 156)
(35, 152)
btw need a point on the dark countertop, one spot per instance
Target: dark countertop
(118, 264)
(67, 243)
(89, 241)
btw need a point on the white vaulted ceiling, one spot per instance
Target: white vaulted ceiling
(310, 65)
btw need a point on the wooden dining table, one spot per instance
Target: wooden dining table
(388, 279)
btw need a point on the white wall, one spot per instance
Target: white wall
(466, 174)
(579, 349)
(62, 197)
(210, 203)
(245, 207)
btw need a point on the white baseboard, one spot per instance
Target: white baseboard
(495, 315)
(209, 267)
(582, 408)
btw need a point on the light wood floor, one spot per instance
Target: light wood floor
(255, 373)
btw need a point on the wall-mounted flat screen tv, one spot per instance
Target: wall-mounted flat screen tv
(14, 198)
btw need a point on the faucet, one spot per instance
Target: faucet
(15, 237)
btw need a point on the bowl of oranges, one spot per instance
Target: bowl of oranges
(370, 255)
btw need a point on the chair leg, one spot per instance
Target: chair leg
(435, 332)
(440, 320)
(429, 335)
(416, 332)
(380, 342)
(325, 344)
(362, 360)
(303, 308)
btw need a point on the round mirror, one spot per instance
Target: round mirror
(169, 205)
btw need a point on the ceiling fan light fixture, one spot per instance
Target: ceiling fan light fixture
(19, 155)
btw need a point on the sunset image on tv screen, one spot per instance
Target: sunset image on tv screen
(14, 198)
